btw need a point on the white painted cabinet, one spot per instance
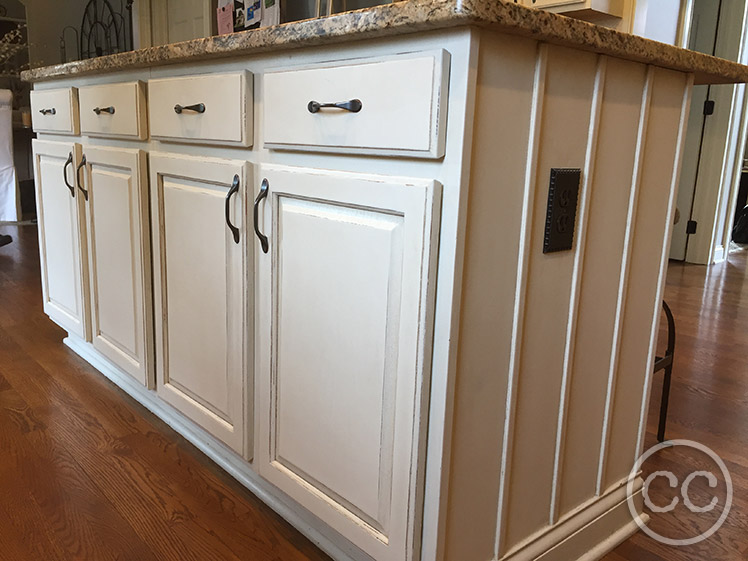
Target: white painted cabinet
(380, 115)
(343, 343)
(62, 235)
(200, 286)
(604, 7)
(114, 185)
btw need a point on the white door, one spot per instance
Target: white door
(344, 330)
(186, 19)
(199, 290)
(704, 26)
(62, 233)
(115, 188)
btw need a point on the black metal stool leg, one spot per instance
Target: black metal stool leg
(664, 403)
(666, 364)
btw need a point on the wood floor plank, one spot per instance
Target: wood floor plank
(708, 400)
(25, 530)
(81, 521)
(120, 484)
(245, 532)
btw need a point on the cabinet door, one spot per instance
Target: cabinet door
(62, 244)
(344, 331)
(116, 188)
(199, 290)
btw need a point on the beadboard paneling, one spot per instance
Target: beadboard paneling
(504, 106)
(651, 232)
(564, 132)
(612, 192)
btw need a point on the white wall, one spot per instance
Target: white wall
(654, 19)
(657, 20)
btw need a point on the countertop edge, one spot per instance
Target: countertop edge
(406, 17)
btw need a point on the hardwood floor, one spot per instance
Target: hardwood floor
(708, 403)
(88, 474)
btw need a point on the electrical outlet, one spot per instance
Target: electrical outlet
(561, 215)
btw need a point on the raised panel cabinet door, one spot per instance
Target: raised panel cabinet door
(198, 216)
(344, 330)
(62, 233)
(114, 186)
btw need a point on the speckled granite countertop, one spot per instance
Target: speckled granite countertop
(409, 16)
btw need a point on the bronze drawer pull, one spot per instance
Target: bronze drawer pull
(197, 108)
(354, 106)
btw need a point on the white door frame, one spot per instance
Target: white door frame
(684, 24)
(722, 150)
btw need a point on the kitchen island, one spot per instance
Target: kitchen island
(398, 271)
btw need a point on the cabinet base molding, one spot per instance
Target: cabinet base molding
(226, 459)
(605, 521)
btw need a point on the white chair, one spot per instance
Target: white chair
(9, 196)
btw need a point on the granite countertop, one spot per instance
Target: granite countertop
(409, 16)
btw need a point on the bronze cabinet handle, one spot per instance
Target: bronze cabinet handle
(354, 106)
(68, 162)
(264, 188)
(234, 189)
(197, 108)
(78, 177)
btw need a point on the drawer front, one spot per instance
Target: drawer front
(607, 7)
(116, 110)
(55, 111)
(402, 112)
(215, 108)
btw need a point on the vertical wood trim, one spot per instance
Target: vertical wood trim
(210, 25)
(144, 31)
(576, 279)
(250, 310)
(149, 353)
(623, 278)
(159, 22)
(443, 368)
(432, 228)
(683, 124)
(520, 292)
(85, 287)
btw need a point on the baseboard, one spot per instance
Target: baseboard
(719, 254)
(335, 546)
(589, 534)
(613, 541)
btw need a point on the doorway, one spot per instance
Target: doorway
(713, 147)
(703, 38)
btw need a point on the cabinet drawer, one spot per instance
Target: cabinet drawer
(403, 102)
(55, 110)
(606, 7)
(208, 109)
(114, 110)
